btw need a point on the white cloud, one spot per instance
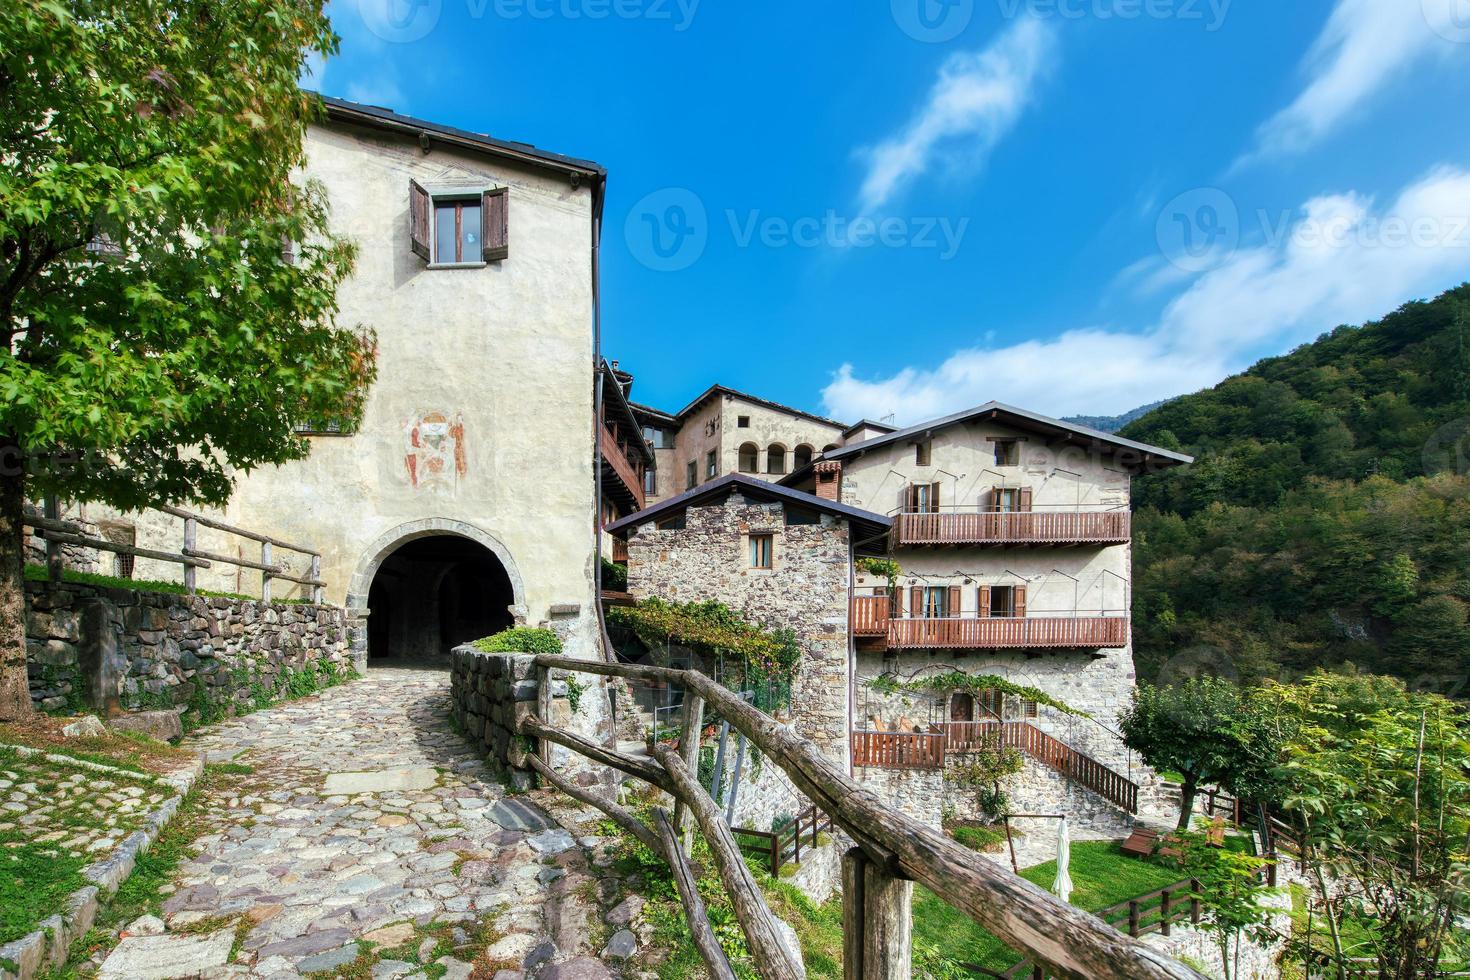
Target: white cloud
(1339, 260)
(977, 99)
(1365, 45)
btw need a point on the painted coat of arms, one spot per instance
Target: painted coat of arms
(434, 449)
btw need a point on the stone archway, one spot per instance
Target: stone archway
(434, 549)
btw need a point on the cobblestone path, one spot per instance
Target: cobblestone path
(367, 840)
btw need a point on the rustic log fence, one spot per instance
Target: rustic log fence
(57, 532)
(892, 852)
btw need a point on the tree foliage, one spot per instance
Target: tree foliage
(1207, 730)
(167, 290)
(1230, 892)
(1327, 519)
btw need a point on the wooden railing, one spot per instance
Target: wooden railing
(57, 532)
(891, 852)
(1023, 527)
(906, 750)
(616, 452)
(775, 848)
(619, 550)
(870, 615)
(1029, 632)
(897, 750)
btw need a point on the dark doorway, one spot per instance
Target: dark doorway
(433, 594)
(961, 707)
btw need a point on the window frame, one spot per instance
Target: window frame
(924, 452)
(1009, 591)
(761, 545)
(691, 474)
(711, 464)
(458, 200)
(1007, 452)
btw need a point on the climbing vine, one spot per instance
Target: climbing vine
(958, 680)
(882, 568)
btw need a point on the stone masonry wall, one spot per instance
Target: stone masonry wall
(916, 792)
(117, 651)
(805, 590)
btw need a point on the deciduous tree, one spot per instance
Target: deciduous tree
(167, 291)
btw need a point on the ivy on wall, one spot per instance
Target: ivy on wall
(958, 680)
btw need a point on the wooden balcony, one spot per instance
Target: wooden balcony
(872, 616)
(1038, 528)
(626, 485)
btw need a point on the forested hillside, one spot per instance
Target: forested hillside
(1327, 518)
(1112, 423)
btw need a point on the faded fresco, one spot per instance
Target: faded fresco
(434, 452)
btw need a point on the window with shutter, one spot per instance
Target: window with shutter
(419, 206)
(954, 601)
(1018, 601)
(916, 602)
(495, 224)
(984, 602)
(1025, 497)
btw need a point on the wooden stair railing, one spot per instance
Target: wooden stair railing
(1117, 789)
(892, 851)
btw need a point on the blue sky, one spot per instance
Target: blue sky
(908, 207)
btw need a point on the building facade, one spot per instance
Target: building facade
(467, 499)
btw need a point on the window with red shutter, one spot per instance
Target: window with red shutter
(495, 224)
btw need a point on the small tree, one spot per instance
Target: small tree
(1204, 729)
(1230, 893)
(167, 293)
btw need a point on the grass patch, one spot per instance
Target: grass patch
(1101, 876)
(983, 839)
(122, 750)
(34, 882)
(38, 573)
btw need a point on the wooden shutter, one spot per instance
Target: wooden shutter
(984, 602)
(954, 602)
(987, 501)
(1020, 594)
(933, 498)
(1023, 500)
(896, 597)
(420, 210)
(494, 224)
(916, 602)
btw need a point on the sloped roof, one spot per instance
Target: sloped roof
(1021, 419)
(718, 389)
(866, 524)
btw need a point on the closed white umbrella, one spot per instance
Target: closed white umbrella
(1062, 887)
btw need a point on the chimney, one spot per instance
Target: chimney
(829, 479)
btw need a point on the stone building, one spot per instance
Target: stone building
(727, 431)
(467, 500)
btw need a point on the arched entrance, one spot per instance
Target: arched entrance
(432, 585)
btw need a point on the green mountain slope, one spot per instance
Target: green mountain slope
(1327, 519)
(1112, 423)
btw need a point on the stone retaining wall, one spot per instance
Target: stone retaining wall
(118, 651)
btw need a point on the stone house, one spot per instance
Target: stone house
(727, 431)
(467, 499)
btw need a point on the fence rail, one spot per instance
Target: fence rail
(1019, 527)
(1013, 632)
(904, 750)
(892, 850)
(775, 847)
(57, 532)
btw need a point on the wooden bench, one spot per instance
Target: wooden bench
(1146, 843)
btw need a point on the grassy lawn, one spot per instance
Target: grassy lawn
(34, 880)
(38, 573)
(122, 750)
(1101, 876)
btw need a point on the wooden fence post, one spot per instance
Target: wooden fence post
(543, 709)
(265, 577)
(887, 925)
(52, 511)
(191, 534)
(689, 752)
(1165, 911)
(1133, 919)
(1194, 906)
(853, 863)
(317, 592)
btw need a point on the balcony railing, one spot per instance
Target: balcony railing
(1027, 632)
(960, 527)
(630, 474)
(870, 615)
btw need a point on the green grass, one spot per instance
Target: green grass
(34, 881)
(38, 573)
(1101, 876)
(982, 839)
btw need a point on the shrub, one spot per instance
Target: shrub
(614, 576)
(520, 639)
(983, 839)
